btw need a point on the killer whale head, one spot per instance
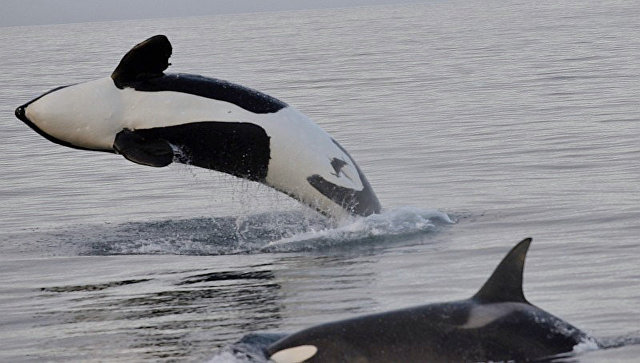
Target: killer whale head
(65, 115)
(495, 324)
(82, 115)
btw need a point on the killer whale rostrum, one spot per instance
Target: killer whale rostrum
(154, 119)
(495, 324)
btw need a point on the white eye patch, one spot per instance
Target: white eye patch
(294, 355)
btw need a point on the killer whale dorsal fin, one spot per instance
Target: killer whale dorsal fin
(505, 284)
(145, 60)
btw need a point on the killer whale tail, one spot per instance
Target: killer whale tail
(505, 283)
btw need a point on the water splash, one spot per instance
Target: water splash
(291, 231)
(388, 226)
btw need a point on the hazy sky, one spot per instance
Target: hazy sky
(31, 12)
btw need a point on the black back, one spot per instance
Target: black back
(247, 98)
(142, 68)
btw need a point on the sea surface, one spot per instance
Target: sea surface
(478, 123)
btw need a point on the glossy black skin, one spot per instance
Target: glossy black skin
(217, 89)
(435, 333)
(237, 148)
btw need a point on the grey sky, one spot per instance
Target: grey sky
(34, 12)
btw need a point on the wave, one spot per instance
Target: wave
(632, 338)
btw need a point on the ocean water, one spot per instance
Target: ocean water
(477, 123)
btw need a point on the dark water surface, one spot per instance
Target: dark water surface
(510, 119)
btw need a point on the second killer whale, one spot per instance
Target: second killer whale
(154, 119)
(495, 324)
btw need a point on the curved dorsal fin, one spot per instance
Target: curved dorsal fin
(505, 284)
(145, 60)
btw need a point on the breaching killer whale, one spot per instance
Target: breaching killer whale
(153, 118)
(496, 324)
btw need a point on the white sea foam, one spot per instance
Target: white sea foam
(586, 345)
(392, 223)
